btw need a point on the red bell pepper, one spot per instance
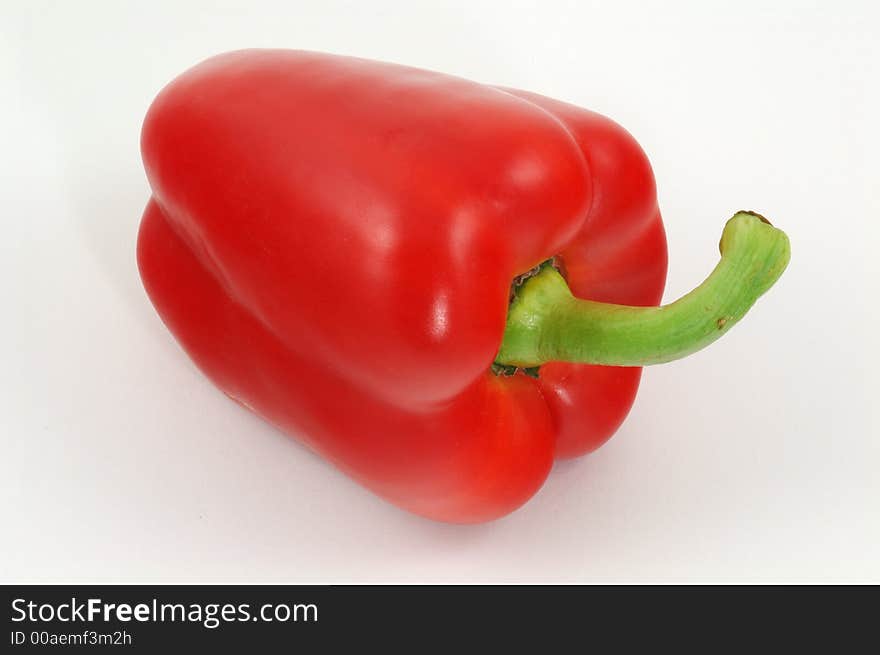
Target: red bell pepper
(333, 241)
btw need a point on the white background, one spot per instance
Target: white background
(756, 460)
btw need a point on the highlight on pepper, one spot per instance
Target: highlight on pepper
(440, 286)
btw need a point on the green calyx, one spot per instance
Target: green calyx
(546, 323)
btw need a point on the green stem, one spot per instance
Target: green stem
(547, 323)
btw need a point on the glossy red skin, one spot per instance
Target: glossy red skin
(332, 241)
